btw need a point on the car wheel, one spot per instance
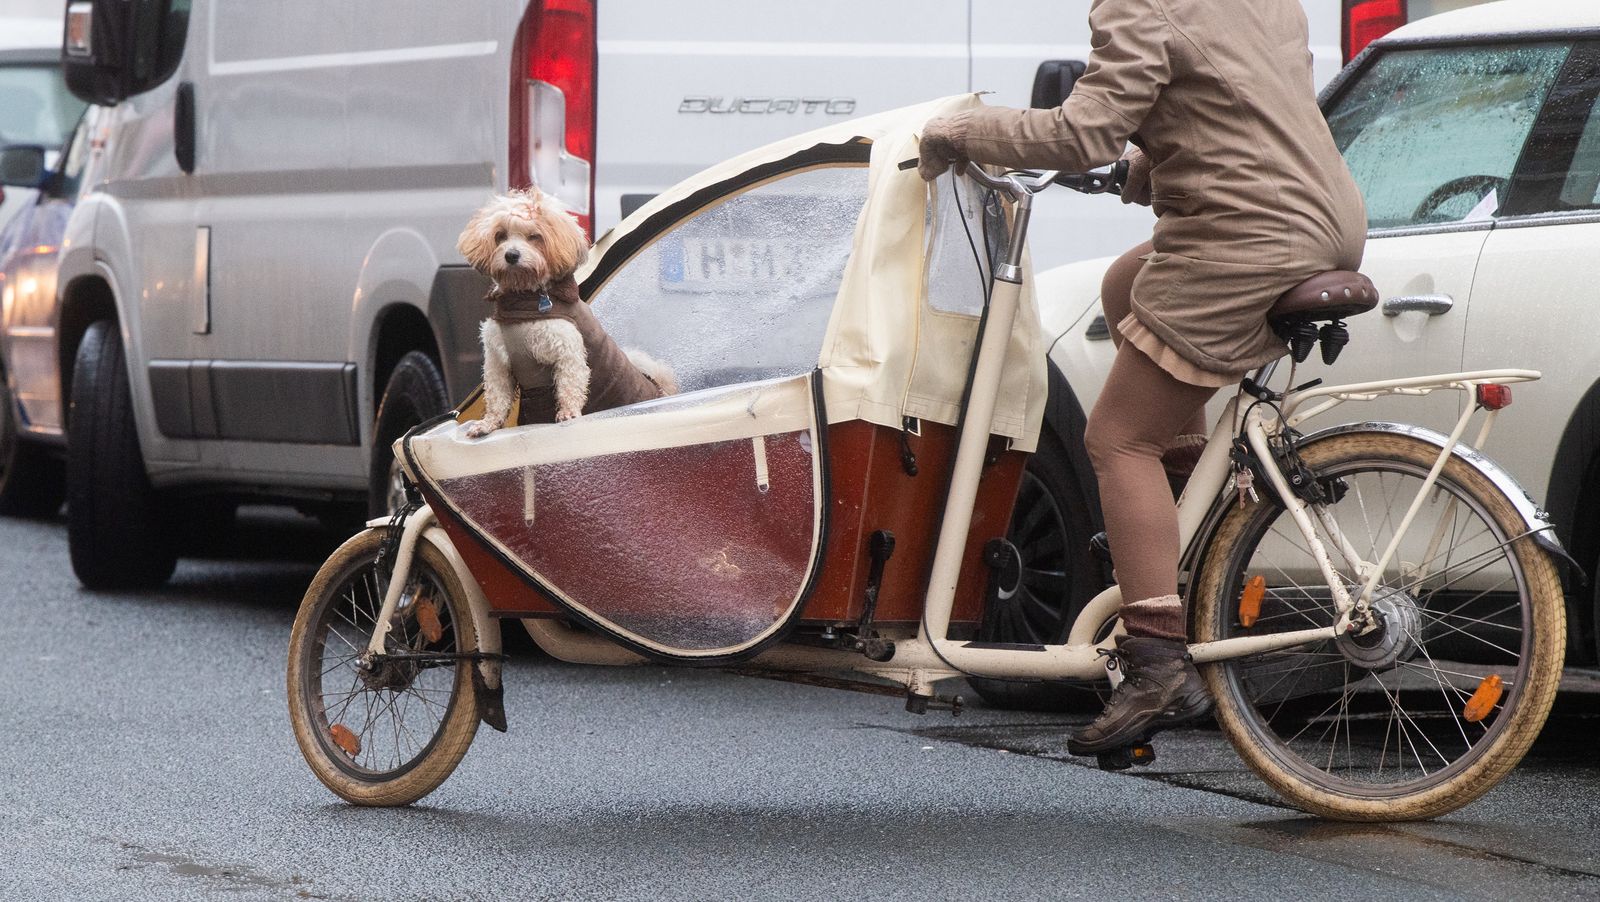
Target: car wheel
(116, 531)
(32, 482)
(1047, 575)
(415, 392)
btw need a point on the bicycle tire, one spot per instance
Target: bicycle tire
(1514, 726)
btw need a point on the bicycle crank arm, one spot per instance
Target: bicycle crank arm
(1241, 646)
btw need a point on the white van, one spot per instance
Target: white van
(260, 289)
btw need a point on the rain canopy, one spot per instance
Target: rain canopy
(902, 323)
(810, 282)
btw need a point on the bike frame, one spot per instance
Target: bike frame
(917, 661)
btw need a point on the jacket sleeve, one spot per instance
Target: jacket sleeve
(1129, 65)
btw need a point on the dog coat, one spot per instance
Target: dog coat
(613, 379)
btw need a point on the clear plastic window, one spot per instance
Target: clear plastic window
(1432, 135)
(742, 290)
(964, 229)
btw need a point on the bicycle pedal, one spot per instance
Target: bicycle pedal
(1140, 755)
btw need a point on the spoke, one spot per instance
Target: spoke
(1449, 703)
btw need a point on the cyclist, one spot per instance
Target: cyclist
(1251, 197)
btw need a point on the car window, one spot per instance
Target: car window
(1560, 171)
(741, 290)
(35, 107)
(1432, 135)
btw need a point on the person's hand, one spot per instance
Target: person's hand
(942, 146)
(1136, 189)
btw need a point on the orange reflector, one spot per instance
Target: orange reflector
(428, 620)
(1484, 699)
(1142, 751)
(1494, 396)
(344, 739)
(1250, 601)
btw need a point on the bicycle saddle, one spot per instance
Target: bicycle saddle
(1326, 297)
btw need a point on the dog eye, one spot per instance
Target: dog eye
(499, 236)
(536, 237)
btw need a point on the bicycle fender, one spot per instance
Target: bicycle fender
(1533, 516)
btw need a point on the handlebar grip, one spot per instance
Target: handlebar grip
(903, 165)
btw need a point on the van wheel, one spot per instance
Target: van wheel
(415, 393)
(116, 531)
(32, 482)
(1054, 574)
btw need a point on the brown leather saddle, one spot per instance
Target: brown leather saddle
(1326, 298)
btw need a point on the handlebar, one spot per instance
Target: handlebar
(1017, 183)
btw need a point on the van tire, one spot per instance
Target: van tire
(415, 392)
(32, 481)
(116, 532)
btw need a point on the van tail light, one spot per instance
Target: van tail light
(553, 103)
(1366, 21)
(1494, 396)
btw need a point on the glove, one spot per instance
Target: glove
(1136, 190)
(943, 145)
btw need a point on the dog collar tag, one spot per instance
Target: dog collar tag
(544, 303)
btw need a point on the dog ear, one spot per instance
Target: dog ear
(566, 246)
(477, 239)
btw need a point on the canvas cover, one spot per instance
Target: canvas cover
(888, 353)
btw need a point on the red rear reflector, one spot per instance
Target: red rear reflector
(1250, 601)
(1366, 21)
(1484, 698)
(1494, 396)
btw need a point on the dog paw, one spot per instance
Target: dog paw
(563, 415)
(481, 428)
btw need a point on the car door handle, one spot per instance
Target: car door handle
(1431, 304)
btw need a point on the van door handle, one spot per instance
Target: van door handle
(1431, 304)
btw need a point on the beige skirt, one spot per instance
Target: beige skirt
(1176, 365)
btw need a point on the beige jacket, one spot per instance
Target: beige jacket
(1251, 193)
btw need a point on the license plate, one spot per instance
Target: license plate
(711, 264)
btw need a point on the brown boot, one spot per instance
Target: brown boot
(1160, 688)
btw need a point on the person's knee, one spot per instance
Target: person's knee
(1103, 440)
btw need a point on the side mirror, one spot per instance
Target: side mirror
(1053, 81)
(109, 50)
(94, 48)
(22, 166)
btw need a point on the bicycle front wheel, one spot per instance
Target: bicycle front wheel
(1428, 711)
(387, 734)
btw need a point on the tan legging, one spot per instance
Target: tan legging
(1140, 411)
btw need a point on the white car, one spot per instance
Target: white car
(1475, 137)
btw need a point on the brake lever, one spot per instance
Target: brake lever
(1108, 181)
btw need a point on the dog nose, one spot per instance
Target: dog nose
(512, 257)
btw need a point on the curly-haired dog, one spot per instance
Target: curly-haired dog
(542, 337)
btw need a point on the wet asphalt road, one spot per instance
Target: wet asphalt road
(145, 752)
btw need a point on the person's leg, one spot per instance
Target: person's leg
(1116, 302)
(1140, 411)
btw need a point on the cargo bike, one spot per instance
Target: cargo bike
(1376, 607)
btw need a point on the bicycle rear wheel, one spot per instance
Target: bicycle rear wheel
(1430, 710)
